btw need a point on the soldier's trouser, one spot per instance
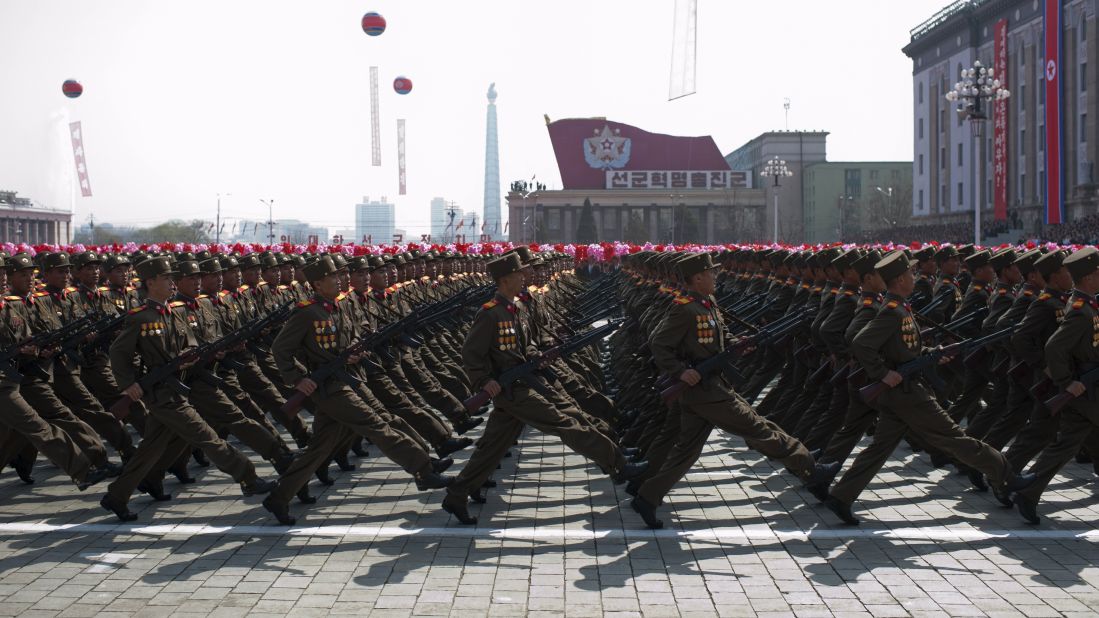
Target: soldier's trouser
(41, 397)
(657, 452)
(999, 422)
(434, 394)
(527, 407)
(815, 412)
(216, 409)
(18, 417)
(172, 420)
(1039, 432)
(785, 381)
(1078, 420)
(235, 392)
(391, 399)
(72, 392)
(859, 418)
(441, 372)
(336, 412)
(973, 387)
(734, 416)
(97, 376)
(917, 412)
(269, 399)
(830, 420)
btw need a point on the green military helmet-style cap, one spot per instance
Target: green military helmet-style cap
(925, 254)
(893, 265)
(846, 260)
(504, 265)
(338, 260)
(268, 260)
(1002, 259)
(357, 263)
(978, 259)
(80, 260)
(1025, 261)
(1050, 263)
(375, 262)
(319, 268)
(59, 259)
(187, 268)
(865, 264)
(228, 261)
(1082, 263)
(945, 253)
(154, 267)
(210, 267)
(19, 261)
(114, 261)
(248, 261)
(696, 263)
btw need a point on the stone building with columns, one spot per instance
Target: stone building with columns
(23, 221)
(641, 187)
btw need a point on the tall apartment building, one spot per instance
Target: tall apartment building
(952, 171)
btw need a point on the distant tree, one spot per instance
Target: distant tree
(636, 231)
(585, 229)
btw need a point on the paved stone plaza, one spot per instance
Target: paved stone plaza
(555, 538)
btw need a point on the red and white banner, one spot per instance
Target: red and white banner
(77, 135)
(1055, 177)
(400, 154)
(375, 120)
(999, 125)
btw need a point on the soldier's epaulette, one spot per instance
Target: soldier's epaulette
(683, 300)
(12, 297)
(103, 288)
(176, 304)
(341, 296)
(1002, 291)
(261, 284)
(136, 310)
(1079, 302)
(40, 294)
(283, 288)
(305, 303)
(391, 289)
(224, 293)
(977, 287)
(243, 288)
(490, 304)
(1028, 292)
(892, 304)
(533, 289)
(868, 302)
(70, 289)
(849, 292)
(1045, 296)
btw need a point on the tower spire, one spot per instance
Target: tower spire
(491, 213)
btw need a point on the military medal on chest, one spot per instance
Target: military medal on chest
(507, 335)
(909, 334)
(705, 327)
(325, 334)
(1095, 331)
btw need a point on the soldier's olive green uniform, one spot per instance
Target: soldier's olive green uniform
(691, 332)
(888, 340)
(317, 332)
(159, 333)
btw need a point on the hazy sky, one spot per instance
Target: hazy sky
(270, 98)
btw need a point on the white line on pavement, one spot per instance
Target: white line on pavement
(729, 535)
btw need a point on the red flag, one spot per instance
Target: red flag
(1055, 179)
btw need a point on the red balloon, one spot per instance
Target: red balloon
(72, 88)
(373, 24)
(402, 85)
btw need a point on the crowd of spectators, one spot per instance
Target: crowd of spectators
(956, 233)
(1082, 231)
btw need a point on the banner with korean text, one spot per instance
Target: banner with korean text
(999, 125)
(77, 135)
(1055, 181)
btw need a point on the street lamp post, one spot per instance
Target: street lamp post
(776, 168)
(270, 221)
(974, 95)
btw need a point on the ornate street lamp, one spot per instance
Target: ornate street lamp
(777, 169)
(974, 95)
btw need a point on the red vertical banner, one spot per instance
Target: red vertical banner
(77, 135)
(1055, 178)
(999, 125)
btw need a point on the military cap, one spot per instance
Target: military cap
(56, 260)
(319, 268)
(825, 256)
(846, 260)
(945, 253)
(966, 250)
(1002, 259)
(865, 264)
(19, 261)
(338, 260)
(925, 254)
(210, 267)
(228, 261)
(375, 262)
(778, 257)
(154, 267)
(116, 260)
(202, 256)
(505, 265)
(696, 263)
(249, 261)
(268, 260)
(893, 265)
(183, 256)
(1082, 263)
(297, 260)
(978, 259)
(1050, 263)
(811, 260)
(187, 268)
(1026, 261)
(357, 263)
(81, 260)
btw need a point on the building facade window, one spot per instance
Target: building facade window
(961, 194)
(919, 128)
(921, 165)
(942, 157)
(960, 154)
(1083, 128)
